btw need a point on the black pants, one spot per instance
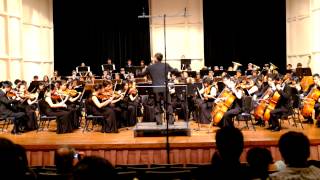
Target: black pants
(160, 105)
(19, 119)
(276, 114)
(227, 117)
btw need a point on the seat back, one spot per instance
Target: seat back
(247, 104)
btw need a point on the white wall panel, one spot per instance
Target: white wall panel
(31, 68)
(316, 31)
(31, 43)
(3, 71)
(3, 29)
(2, 5)
(315, 4)
(26, 38)
(16, 66)
(14, 7)
(184, 33)
(303, 37)
(14, 37)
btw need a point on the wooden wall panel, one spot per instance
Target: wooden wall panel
(154, 156)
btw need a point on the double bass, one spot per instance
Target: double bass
(310, 101)
(222, 107)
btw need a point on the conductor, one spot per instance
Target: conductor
(159, 73)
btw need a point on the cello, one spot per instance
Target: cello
(310, 101)
(271, 105)
(263, 104)
(222, 107)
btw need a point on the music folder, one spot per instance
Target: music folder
(83, 69)
(107, 67)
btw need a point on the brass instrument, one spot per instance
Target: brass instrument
(235, 65)
(255, 67)
(273, 67)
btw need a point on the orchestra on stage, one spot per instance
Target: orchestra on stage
(158, 93)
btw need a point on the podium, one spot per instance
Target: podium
(151, 129)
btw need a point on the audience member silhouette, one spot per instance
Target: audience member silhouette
(226, 161)
(12, 164)
(96, 168)
(64, 159)
(259, 160)
(295, 150)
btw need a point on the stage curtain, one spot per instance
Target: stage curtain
(244, 31)
(92, 31)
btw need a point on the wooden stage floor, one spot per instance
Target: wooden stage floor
(124, 148)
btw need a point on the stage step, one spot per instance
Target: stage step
(151, 129)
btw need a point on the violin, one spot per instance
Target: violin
(55, 96)
(12, 93)
(72, 92)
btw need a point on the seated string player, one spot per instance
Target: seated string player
(206, 100)
(7, 99)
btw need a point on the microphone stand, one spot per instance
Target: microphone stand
(164, 16)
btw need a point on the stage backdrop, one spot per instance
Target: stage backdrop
(26, 39)
(92, 31)
(184, 31)
(244, 31)
(303, 37)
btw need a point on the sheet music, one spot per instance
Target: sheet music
(200, 95)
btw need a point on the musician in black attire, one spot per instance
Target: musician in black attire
(283, 104)
(316, 79)
(235, 108)
(209, 92)
(7, 109)
(158, 73)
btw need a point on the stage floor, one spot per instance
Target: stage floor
(125, 138)
(118, 147)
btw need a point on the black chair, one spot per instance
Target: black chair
(127, 175)
(125, 166)
(168, 175)
(245, 115)
(166, 165)
(44, 119)
(293, 112)
(89, 117)
(51, 176)
(6, 122)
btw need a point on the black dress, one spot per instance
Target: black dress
(63, 120)
(109, 124)
(31, 122)
(76, 113)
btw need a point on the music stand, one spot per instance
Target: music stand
(218, 73)
(204, 72)
(303, 72)
(192, 74)
(134, 69)
(83, 70)
(107, 67)
(185, 63)
(232, 73)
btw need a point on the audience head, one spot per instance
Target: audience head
(64, 159)
(294, 148)
(94, 168)
(229, 141)
(259, 160)
(10, 165)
